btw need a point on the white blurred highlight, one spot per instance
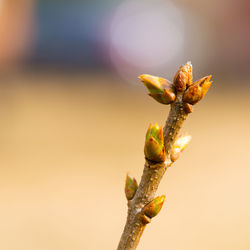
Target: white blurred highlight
(145, 35)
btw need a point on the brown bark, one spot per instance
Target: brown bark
(151, 178)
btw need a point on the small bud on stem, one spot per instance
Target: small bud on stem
(154, 207)
(178, 147)
(154, 149)
(187, 107)
(130, 187)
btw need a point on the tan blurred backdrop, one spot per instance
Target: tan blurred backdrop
(69, 136)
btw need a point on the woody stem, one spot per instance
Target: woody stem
(151, 178)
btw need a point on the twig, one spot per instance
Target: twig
(142, 205)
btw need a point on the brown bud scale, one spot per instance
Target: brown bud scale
(183, 77)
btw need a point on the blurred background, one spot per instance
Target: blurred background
(73, 118)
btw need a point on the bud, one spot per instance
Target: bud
(154, 149)
(197, 91)
(130, 187)
(178, 147)
(188, 108)
(183, 77)
(160, 89)
(154, 206)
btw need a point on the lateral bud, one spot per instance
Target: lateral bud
(159, 88)
(154, 149)
(154, 206)
(188, 108)
(197, 91)
(178, 147)
(130, 187)
(184, 77)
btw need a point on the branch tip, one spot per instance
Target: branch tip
(183, 77)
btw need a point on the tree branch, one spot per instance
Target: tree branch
(152, 175)
(143, 206)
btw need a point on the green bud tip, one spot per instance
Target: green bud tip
(152, 83)
(154, 206)
(130, 187)
(159, 88)
(154, 145)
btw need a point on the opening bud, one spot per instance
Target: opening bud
(130, 187)
(178, 147)
(197, 91)
(159, 88)
(183, 77)
(154, 206)
(154, 149)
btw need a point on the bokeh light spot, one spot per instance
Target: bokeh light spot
(146, 35)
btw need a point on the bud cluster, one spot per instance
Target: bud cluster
(165, 92)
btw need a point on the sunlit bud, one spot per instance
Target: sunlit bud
(130, 187)
(179, 145)
(183, 77)
(154, 206)
(159, 88)
(197, 91)
(188, 108)
(154, 149)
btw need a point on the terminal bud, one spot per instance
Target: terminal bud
(184, 76)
